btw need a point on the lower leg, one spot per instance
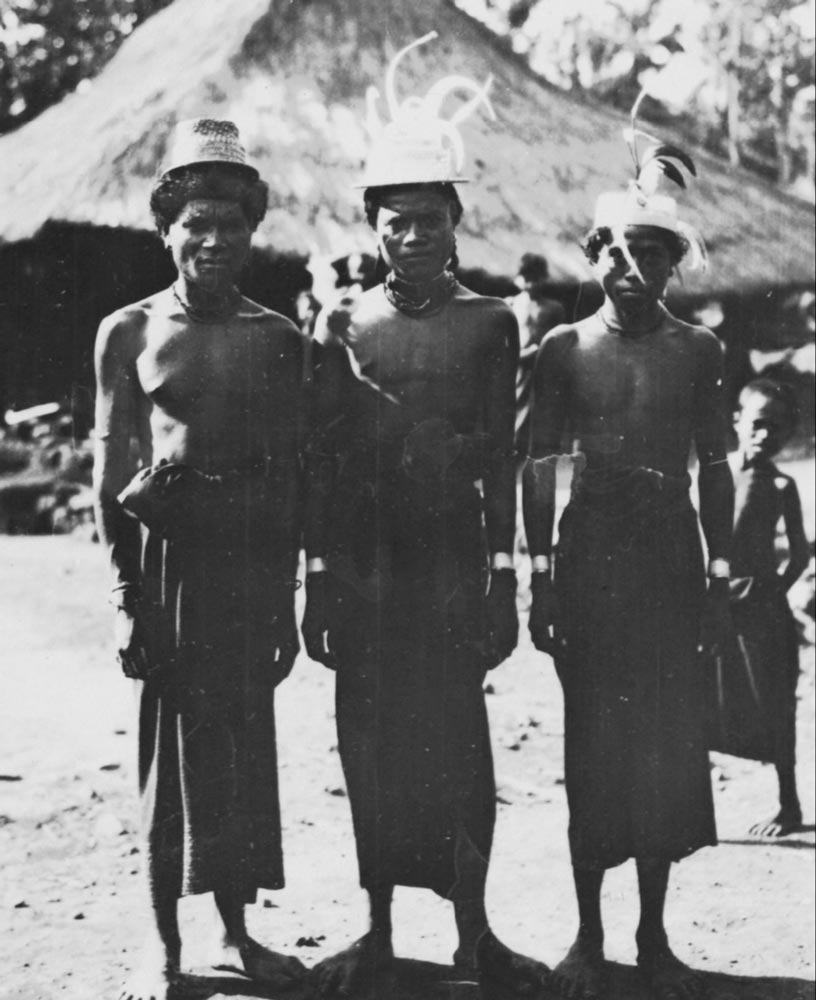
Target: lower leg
(345, 973)
(667, 975)
(580, 972)
(160, 961)
(480, 953)
(789, 817)
(235, 949)
(788, 794)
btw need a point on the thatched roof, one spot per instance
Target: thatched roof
(294, 75)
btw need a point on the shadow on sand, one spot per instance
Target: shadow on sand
(412, 980)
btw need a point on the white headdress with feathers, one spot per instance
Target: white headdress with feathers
(641, 204)
(418, 145)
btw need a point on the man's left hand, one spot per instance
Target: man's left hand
(715, 622)
(502, 617)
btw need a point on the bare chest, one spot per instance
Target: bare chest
(185, 368)
(633, 379)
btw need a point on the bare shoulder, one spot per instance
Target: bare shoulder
(700, 338)
(565, 338)
(489, 306)
(273, 325)
(121, 334)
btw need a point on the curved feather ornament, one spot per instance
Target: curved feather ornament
(391, 72)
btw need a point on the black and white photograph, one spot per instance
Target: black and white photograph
(407, 502)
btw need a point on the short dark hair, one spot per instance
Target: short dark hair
(597, 239)
(534, 267)
(373, 198)
(776, 392)
(221, 182)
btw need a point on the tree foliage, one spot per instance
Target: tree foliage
(737, 75)
(49, 47)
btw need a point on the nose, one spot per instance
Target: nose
(214, 237)
(415, 233)
(760, 434)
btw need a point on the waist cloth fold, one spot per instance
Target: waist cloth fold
(411, 717)
(216, 596)
(630, 579)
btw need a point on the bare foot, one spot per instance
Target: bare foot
(496, 962)
(580, 974)
(157, 975)
(668, 978)
(354, 968)
(787, 820)
(257, 962)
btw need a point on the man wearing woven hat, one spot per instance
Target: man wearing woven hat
(634, 387)
(415, 401)
(203, 544)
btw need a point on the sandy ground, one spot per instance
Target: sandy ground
(70, 893)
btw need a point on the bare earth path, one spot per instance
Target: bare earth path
(69, 892)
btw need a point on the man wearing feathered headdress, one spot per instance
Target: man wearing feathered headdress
(628, 609)
(414, 405)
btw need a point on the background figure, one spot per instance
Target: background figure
(536, 315)
(203, 544)
(757, 671)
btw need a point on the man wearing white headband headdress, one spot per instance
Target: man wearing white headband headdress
(628, 611)
(203, 544)
(415, 396)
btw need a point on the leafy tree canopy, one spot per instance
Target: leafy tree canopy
(50, 47)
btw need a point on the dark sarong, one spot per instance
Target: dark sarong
(207, 756)
(630, 578)
(411, 717)
(753, 704)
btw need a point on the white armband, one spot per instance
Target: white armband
(719, 569)
(541, 564)
(501, 560)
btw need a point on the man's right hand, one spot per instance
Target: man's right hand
(544, 613)
(315, 625)
(131, 648)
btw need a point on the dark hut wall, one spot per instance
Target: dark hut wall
(57, 287)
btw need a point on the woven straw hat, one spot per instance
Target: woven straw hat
(206, 140)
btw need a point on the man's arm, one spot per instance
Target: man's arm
(798, 547)
(716, 488)
(716, 484)
(548, 421)
(331, 382)
(117, 422)
(499, 485)
(118, 418)
(499, 415)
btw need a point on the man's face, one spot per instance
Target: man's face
(415, 233)
(619, 280)
(209, 242)
(762, 427)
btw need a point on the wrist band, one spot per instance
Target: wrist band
(501, 560)
(316, 565)
(719, 569)
(541, 564)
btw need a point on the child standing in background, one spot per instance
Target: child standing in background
(765, 653)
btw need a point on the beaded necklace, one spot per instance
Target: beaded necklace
(421, 299)
(217, 314)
